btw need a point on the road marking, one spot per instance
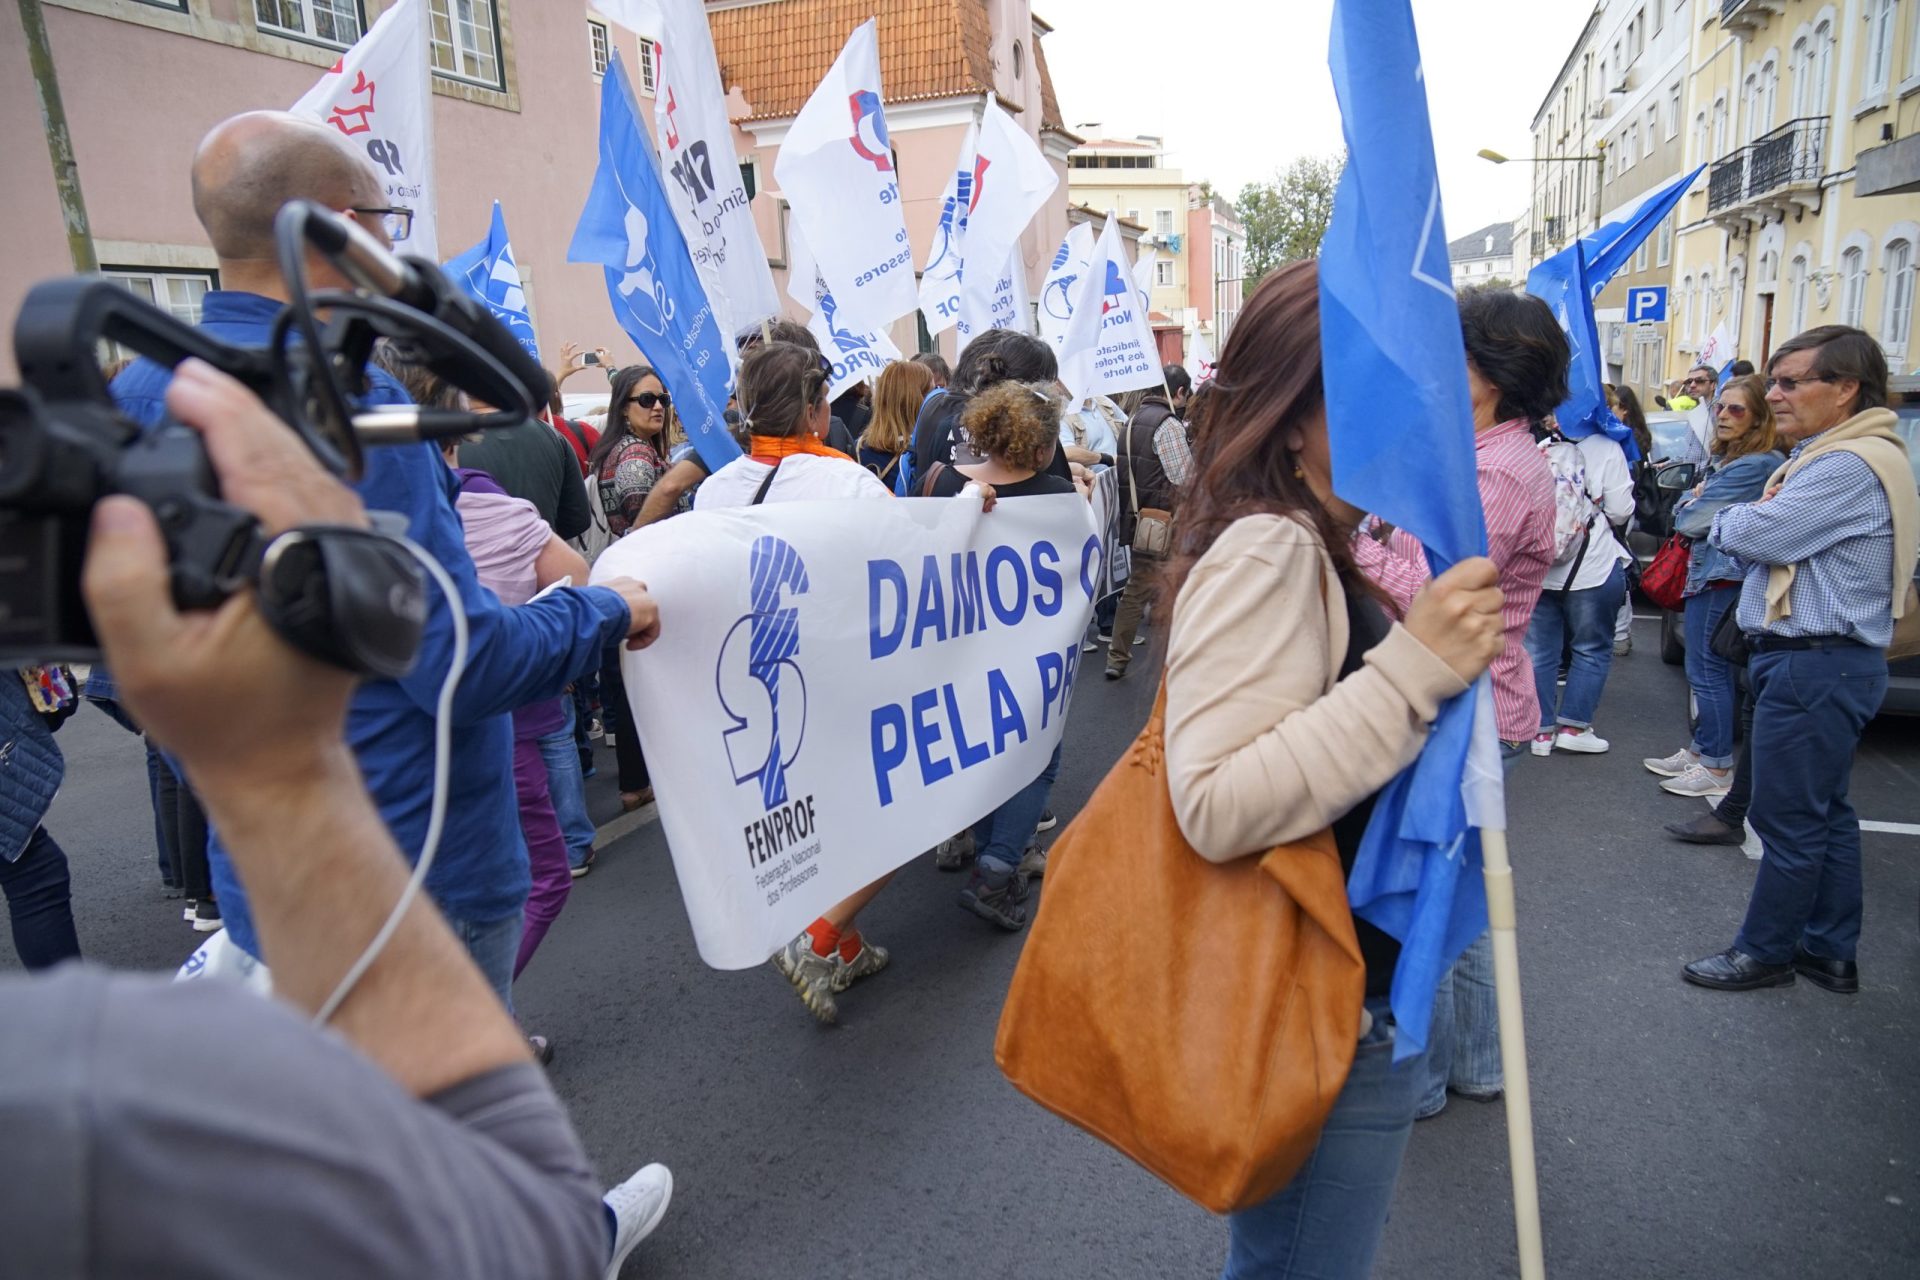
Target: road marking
(625, 824)
(1892, 828)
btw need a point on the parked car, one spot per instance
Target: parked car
(1903, 677)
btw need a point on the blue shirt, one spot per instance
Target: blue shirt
(515, 656)
(1834, 522)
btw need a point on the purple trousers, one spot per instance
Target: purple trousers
(546, 847)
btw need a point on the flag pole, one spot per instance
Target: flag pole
(1498, 871)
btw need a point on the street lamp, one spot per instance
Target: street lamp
(1495, 157)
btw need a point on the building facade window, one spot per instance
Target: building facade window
(464, 41)
(1853, 287)
(1719, 127)
(1653, 127)
(1736, 299)
(1673, 112)
(1163, 273)
(1797, 295)
(331, 22)
(1683, 312)
(1663, 242)
(181, 293)
(1822, 70)
(1705, 327)
(1896, 323)
(1640, 256)
(597, 47)
(649, 66)
(1879, 51)
(1163, 222)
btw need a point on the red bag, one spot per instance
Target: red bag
(1664, 581)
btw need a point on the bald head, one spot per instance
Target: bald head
(250, 165)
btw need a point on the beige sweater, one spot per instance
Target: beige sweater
(1263, 746)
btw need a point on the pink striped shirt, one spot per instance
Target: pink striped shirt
(1516, 496)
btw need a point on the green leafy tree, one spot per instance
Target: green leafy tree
(1286, 217)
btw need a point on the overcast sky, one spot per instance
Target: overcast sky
(1238, 88)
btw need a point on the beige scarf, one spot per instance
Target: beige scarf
(1869, 436)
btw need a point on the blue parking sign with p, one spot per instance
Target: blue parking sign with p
(1646, 304)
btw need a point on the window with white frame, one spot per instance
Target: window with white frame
(1663, 242)
(1700, 138)
(1822, 71)
(1673, 112)
(1163, 222)
(464, 41)
(1683, 309)
(1797, 295)
(1769, 268)
(649, 66)
(181, 293)
(1879, 52)
(597, 47)
(1800, 67)
(1769, 92)
(330, 22)
(1719, 127)
(1705, 327)
(1640, 256)
(1896, 322)
(1653, 126)
(1133, 216)
(1736, 298)
(1853, 287)
(1163, 273)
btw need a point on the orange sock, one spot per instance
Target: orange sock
(850, 944)
(825, 936)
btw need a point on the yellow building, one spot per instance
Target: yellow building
(1808, 115)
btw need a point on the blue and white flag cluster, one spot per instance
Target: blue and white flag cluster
(488, 274)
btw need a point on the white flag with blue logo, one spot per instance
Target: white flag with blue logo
(855, 356)
(1012, 182)
(628, 227)
(1070, 262)
(1109, 346)
(836, 171)
(488, 274)
(940, 281)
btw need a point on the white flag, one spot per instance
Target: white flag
(836, 171)
(855, 356)
(1143, 275)
(709, 197)
(1109, 346)
(1012, 181)
(1063, 281)
(1718, 349)
(940, 281)
(379, 95)
(1010, 307)
(1200, 351)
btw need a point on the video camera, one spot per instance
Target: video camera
(350, 597)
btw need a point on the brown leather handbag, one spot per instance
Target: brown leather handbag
(1200, 1017)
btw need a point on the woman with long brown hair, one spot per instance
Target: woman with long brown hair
(886, 446)
(1745, 452)
(1292, 699)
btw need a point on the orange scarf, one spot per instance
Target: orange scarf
(774, 448)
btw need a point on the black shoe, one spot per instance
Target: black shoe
(1706, 829)
(206, 916)
(1047, 821)
(998, 894)
(1840, 976)
(542, 1049)
(1735, 970)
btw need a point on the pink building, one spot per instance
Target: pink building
(1216, 247)
(516, 87)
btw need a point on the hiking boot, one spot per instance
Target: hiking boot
(998, 893)
(812, 976)
(871, 960)
(955, 852)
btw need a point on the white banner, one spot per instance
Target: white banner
(855, 357)
(1200, 351)
(1012, 181)
(1109, 346)
(1143, 275)
(816, 713)
(379, 95)
(836, 171)
(1718, 348)
(940, 281)
(1070, 262)
(1009, 308)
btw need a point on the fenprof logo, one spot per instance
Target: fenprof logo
(870, 130)
(759, 684)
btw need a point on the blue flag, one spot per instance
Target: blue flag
(1390, 335)
(628, 227)
(1608, 249)
(488, 274)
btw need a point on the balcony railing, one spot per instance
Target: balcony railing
(1789, 155)
(1537, 243)
(1727, 182)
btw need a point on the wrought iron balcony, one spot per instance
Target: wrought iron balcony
(1727, 181)
(1537, 244)
(1792, 155)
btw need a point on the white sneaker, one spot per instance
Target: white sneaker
(637, 1206)
(1543, 744)
(1674, 765)
(1582, 741)
(1698, 782)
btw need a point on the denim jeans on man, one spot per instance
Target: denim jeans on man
(494, 946)
(1585, 617)
(568, 787)
(1002, 835)
(1327, 1222)
(1463, 1043)
(1711, 676)
(40, 903)
(1809, 708)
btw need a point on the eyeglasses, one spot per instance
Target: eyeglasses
(1790, 385)
(648, 399)
(1728, 406)
(1700, 378)
(397, 219)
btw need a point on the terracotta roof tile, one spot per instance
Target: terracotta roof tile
(777, 52)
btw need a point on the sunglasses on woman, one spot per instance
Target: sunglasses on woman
(1728, 406)
(648, 399)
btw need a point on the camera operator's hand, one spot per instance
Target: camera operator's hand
(219, 688)
(643, 627)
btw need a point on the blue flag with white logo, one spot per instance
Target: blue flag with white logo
(1390, 336)
(1608, 249)
(629, 228)
(488, 274)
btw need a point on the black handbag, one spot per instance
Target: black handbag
(1728, 640)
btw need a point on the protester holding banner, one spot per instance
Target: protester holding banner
(886, 446)
(1291, 699)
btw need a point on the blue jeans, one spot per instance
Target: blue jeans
(1326, 1223)
(1711, 676)
(40, 903)
(1002, 835)
(1463, 1043)
(568, 788)
(1809, 707)
(1587, 618)
(494, 945)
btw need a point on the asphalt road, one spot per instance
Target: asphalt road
(1681, 1133)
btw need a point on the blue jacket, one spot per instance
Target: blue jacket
(1739, 480)
(31, 767)
(515, 656)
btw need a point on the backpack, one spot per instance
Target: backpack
(1573, 508)
(598, 535)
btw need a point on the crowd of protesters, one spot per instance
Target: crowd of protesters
(1307, 652)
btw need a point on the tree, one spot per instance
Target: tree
(1286, 218)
